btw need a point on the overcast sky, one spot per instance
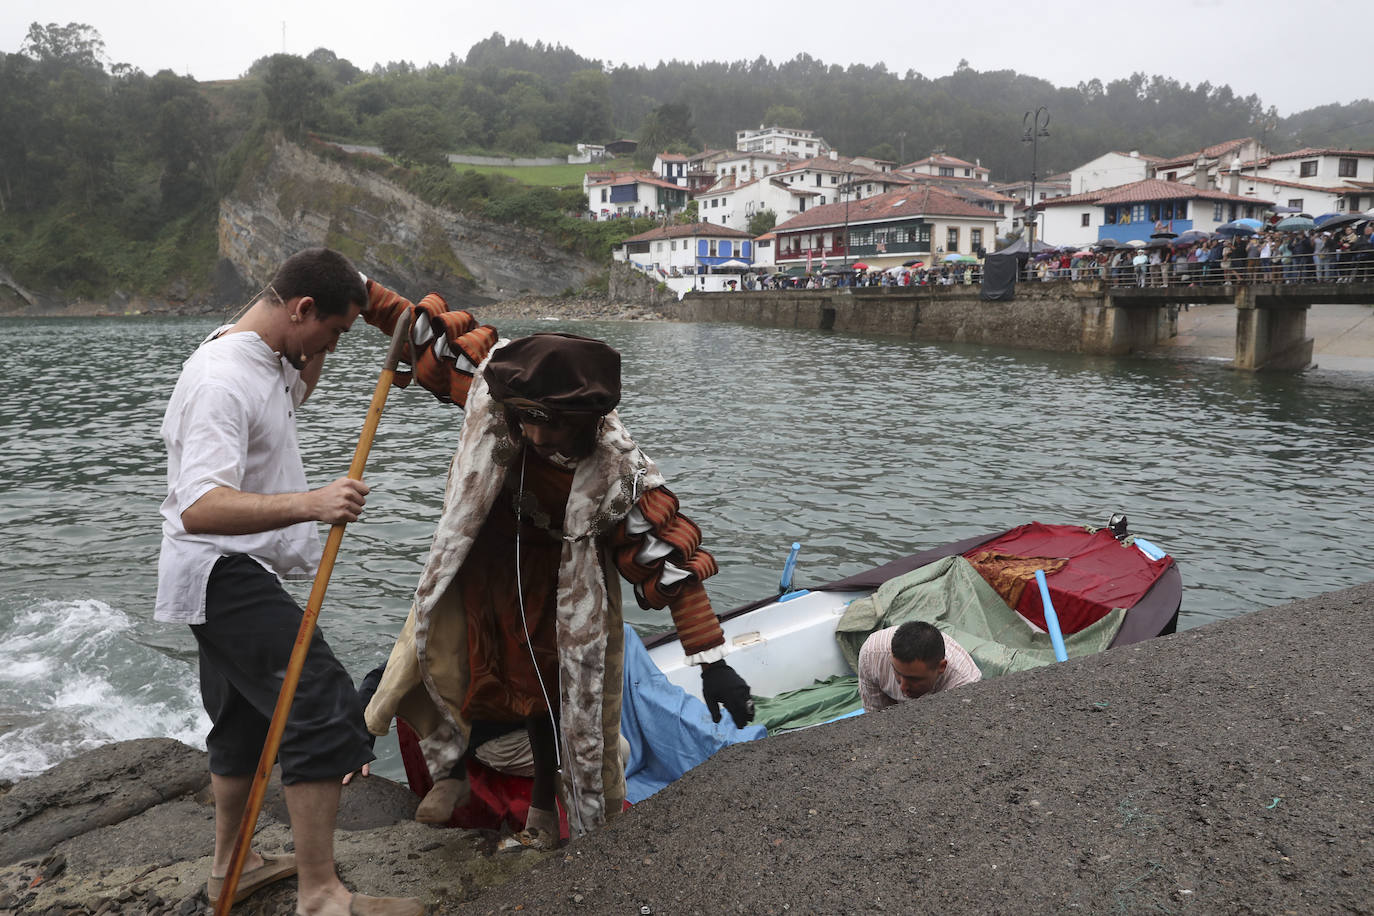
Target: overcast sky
(1294, 54)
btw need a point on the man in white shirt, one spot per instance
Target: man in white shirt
(238, 518)
(909, 661)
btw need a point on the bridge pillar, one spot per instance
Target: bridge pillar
(1271, 332)
(1120, 326)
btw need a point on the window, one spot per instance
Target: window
(672, 246)
(1295, 203)
(1249, 211)
(1085, 219)
(1042, 195)
(712, 249)
(1171, 176)
(1110, 217)
(975, 238)
(1002, 209)
(1181, 210)
(1138, 213)
(946, 171)
(968, 172)
(952, 240)
(1307, 169)
(1346, 168)
(822, 200)
(603, 195)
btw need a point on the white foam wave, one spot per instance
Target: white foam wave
(74, 679)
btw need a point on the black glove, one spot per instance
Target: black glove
(721, 686)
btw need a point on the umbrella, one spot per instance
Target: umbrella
(1287, 209)
(1254, 224)
(1083, 253)
(953, 256)
(1108, 243)
(860, 266)
(1295, 224)
(734, 264)
(1136, 243)
(1325, 218)
(1163, 235)
(1192, 237)
(1344, 219)
(1159, 243)
(797, 271)
(913, 263)
(1235, 228)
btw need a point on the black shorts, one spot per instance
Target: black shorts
(245, 644)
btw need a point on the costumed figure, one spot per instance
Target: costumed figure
(517, 614)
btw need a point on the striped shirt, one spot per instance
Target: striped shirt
(879, 685)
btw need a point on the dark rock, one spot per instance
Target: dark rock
(99, 787)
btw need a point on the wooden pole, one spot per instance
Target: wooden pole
(244, 841)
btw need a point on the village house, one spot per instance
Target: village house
(1210, 161)
(1293, 196)
(922, 223)
(640, 193)
(938, 165)
(699, 256)
(671, 167)
(733, 203)
(1135, 211)
(781, 141)
(827, 174)
(744, 166)
(1331, 180)
(1110, 170)
(701, 168)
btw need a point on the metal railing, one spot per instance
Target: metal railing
(1333, 267)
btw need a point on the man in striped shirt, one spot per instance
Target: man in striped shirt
(909, 661)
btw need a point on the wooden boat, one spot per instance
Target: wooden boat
(788, 642)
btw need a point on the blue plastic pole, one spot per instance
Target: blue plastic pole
(1051, 618)
(785, 583)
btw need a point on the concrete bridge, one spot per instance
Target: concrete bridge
(1080, 316)
(1271, 318)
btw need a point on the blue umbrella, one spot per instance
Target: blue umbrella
(1325, 218)
(1252, 223)
(1192, 236)
(1235, 228)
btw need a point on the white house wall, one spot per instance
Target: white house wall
(1109, 170)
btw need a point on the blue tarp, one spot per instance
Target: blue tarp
(669, 730)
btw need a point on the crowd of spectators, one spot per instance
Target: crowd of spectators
(1342, 255)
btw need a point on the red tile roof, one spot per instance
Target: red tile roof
(709, 230)
(1144, 191)
(636, 178)
(1312, 151)
(902, 204)
(1215, 151)
(941, 159)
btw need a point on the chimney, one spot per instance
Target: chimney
(1200, 173)
(1235, 175)
(1135, 154)
(834, 155)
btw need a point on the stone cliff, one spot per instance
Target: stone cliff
(298, 200)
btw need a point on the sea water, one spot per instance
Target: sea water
(861, 448)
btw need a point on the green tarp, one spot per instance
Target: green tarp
(951, 595)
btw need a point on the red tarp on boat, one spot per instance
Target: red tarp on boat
(1101, 572)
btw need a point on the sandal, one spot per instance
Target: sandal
(272, 870)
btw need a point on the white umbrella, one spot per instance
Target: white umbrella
(734, 264)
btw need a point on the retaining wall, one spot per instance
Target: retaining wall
(1071, 317)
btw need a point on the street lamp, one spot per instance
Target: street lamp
(1035, 124)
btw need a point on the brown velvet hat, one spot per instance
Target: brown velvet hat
(559, 373)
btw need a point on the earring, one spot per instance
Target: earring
(295, 317)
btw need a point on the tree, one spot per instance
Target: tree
(589, 106)
(414, 136)
(75, 44)
(295, 93)
(761, 222)
(783, 116)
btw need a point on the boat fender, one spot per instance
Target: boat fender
(1150, 550)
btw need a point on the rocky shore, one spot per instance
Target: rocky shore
(1226, 769)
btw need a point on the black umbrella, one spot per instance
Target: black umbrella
(1163, 235)
(1158, 243)
(1107, 244)
(1346, 219)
